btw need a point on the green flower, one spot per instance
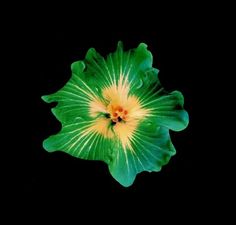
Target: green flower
(116, 110)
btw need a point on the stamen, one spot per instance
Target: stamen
(120, 109)
(116, 113)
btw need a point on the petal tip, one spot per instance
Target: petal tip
(126, 183)
(124, 179)
(77, 67)
(90, 53)
(183, 121)
(47, 145)
(45, 98)
(143, 45)
(120, 45)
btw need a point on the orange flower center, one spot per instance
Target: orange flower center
(117, 113)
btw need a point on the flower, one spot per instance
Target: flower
(116, 110)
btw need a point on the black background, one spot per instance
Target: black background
(51, 47)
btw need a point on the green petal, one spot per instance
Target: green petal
(72, 111)
(167, 109)
(73, 141)
(151, 149)
(74, 98)
(135, 64)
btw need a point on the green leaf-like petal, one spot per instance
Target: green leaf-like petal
(167, 110)
(73, 141)
(152, 148)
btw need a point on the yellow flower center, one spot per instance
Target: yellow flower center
(122, 113)
(117, 113)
